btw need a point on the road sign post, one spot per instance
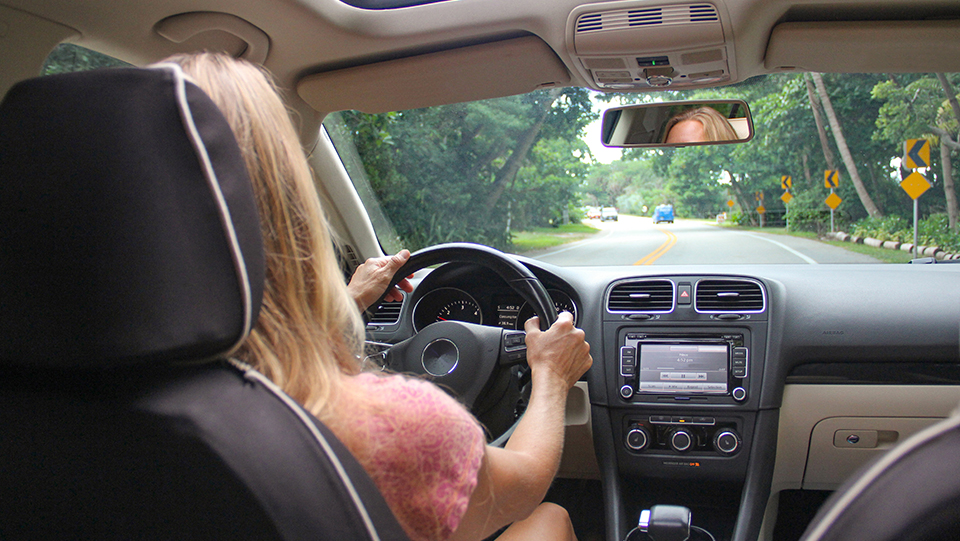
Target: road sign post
(786, 182)
(761, 210)
(915, 185)
(916, 155)
(831, 179)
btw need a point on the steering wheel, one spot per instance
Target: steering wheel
(473, 362)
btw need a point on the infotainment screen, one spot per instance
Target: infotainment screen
(682, 367)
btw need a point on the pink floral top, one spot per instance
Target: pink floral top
(423, 450)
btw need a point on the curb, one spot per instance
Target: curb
(926, 251)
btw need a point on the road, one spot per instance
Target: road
(637, 241)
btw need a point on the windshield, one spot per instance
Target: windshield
(528, 175)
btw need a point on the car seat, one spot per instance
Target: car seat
(911, 493)
(131, 266)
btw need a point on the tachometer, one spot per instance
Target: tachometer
(461, 310)
(446, 304)
(561, 301)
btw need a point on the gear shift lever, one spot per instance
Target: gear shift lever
(666, 523)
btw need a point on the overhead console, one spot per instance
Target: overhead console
(638, 46)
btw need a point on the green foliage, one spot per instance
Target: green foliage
(931, 231)
(464, 171)
(476, 171)
(629, 185)
(67, 58)
(807, 212)
(876, 112)
(738, 218)
(884, 228)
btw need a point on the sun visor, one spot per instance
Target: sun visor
(865, 46)
(477, 72)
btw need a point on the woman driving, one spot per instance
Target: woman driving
(424, 450)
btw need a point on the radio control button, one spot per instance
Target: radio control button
(681, 440)
(726, 442)
(626, 392)
(637, 439)
(739, 394)
(628, 361)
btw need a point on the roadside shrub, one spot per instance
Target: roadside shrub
(885, 228)
(808, 213)
(934, 230)
(808, 219)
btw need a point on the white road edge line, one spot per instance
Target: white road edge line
(785, 247)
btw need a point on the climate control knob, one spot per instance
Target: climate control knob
(726, 442)
(681, 440)
(637, 438)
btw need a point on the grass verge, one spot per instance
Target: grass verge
(541, 238)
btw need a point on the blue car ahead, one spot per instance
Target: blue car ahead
(663, 213)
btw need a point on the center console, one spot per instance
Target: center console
(680, 403)
(681, 396)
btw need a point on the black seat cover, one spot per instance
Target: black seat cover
(911, 493)
(131, 266)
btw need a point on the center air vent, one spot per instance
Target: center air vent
(387, 313)
(655, 16)
(729, 296)
(645, 296)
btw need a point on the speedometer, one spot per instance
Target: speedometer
(561, 301)
(446, 304)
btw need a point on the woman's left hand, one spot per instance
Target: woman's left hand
(372, 277)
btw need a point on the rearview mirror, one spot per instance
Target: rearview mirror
(679, 123)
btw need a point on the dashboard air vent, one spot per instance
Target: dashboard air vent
(645, 296)
(666, 15)
(386, 313)
(729, 296)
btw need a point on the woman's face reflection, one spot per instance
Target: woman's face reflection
(686, 131)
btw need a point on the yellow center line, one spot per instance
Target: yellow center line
(664, 248)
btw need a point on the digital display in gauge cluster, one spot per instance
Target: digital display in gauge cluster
(508, 311)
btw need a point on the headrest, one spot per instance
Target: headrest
(129, 233)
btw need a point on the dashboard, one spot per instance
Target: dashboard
(721, 387)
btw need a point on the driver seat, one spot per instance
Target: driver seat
(132, 266)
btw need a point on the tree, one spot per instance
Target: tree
(865, 198)
(460, 172)
(922, 109)
(821, 131)
(948, 189)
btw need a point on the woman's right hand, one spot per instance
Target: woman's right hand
(559, 352)
(513, 480)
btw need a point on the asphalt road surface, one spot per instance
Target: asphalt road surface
(637, 241)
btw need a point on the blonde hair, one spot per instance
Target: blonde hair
(716, 127)
(309, 331)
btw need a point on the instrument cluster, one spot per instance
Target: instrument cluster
(482, 301)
